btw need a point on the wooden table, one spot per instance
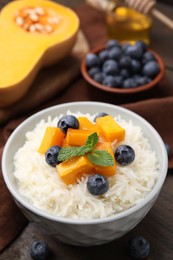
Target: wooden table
(157, 226)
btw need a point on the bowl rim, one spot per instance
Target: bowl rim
(141, 88)
(17, 197)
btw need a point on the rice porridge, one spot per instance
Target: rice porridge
(43, 187)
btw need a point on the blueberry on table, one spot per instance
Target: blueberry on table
(39, 250)
(151, 69)
(51, 156)
(101, 114)
(124, 155)
(97, 184)
(68, 121)
(92, 60)
(110, 67)
(139, 247)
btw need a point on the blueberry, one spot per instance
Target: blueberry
(115, 53)
(112, 43)
(118, 81)
(110, 81)
(110, 67)
(93, 71)
(92, 60)
(134, 51)
(139, 247)
(169, 150)
(51, 155)
(135, 66)
(124, 155)
(142, 44)
(103, 55)
(151, 69)
(97, 184)
(125, 62)
(125, 73)
(39, 250)
(101, 114)
(125, 46)
(142, 80)
(148, 56)
(68, 121)
(129, 83)
(99, 77)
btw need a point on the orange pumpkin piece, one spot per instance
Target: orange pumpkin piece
(77, 137)
(110, 129)
(105, 170)
(64, 143)
(72, 170)
(52, 136)
(86, 124)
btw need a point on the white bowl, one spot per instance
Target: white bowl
(84, 232)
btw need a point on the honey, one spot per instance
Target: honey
(127, 25)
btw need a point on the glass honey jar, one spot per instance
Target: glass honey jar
(127, 25)
(124, 23)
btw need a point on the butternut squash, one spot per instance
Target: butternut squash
(34, 34)
(77, 137)
(110, 129)
(72, 169)
(52, 136)
(86, 124)
(106, 170)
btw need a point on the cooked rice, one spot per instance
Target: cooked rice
(41, 185)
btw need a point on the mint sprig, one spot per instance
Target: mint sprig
(92, 140)
(101, 158)
(68, 152)
(97, 157)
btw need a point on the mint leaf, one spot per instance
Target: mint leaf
(92, 140)
(68, 152)
(82, 150)
(101, 158)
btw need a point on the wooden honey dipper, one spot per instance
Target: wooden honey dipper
(142, 6)
(148, 7)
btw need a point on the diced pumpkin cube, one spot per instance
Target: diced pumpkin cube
(105, 170)
(104, 145)
(86, 124)
(52, 136)
(77, 137)
(110, 129)
(64, 143)
(72, 169)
